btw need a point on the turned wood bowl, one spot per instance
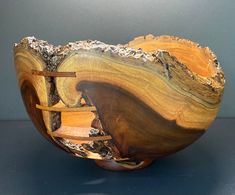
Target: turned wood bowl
(122, 105)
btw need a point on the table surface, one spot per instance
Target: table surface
(31, 165)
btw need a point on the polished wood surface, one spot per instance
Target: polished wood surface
(128, 103)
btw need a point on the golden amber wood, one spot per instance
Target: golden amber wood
(123, 105)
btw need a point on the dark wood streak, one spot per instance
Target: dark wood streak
(53, 74)
(137, 130)
(30, 100)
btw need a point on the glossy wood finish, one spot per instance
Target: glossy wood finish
(122, 105)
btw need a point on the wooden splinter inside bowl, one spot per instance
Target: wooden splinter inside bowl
(197, 59)
(76, 123)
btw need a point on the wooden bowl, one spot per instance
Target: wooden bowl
(122, 105)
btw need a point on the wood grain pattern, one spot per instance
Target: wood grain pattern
(197, 59)
(34, 90)
(169, 97)
(138, 131)
(128, 103)
(26, 60)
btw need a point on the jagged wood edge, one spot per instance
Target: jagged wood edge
(217, 80)
(215, 84)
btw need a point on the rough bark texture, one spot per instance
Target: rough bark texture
(153, 96)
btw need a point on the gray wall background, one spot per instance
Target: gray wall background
(208, 22)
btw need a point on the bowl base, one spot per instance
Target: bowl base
(123, 165)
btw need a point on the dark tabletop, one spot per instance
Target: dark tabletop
(31, 165)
